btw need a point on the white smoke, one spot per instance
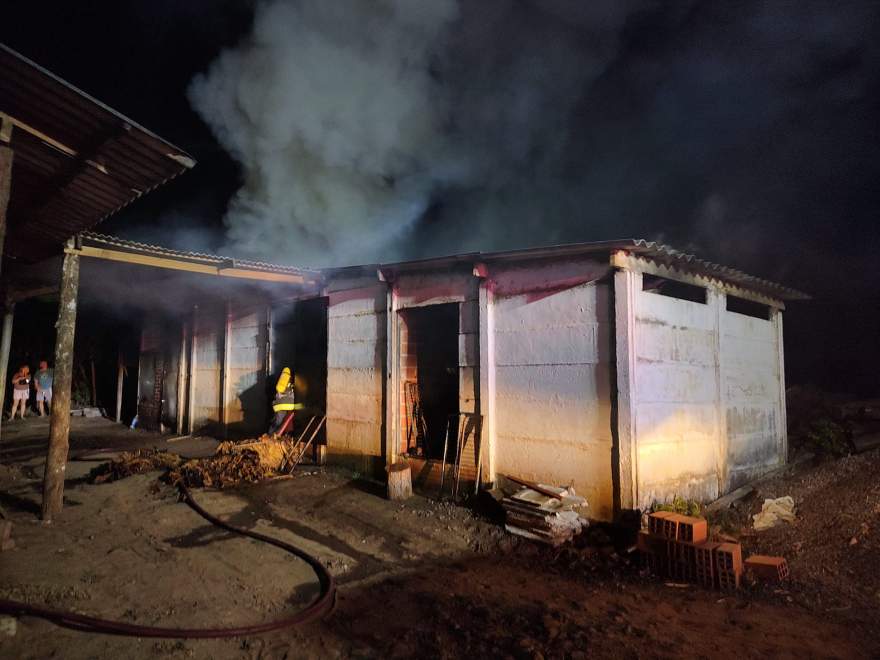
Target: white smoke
(331, 111)
(351, 118)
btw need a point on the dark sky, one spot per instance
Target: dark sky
(744, 131)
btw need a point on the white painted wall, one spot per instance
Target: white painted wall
(753, 396)
(552, 385)
(705, 395)
(676, 405)
(355, 367)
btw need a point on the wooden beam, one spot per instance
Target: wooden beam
(188, 266)
(5, 129)
(59, 425)
(7, 120)
(17, 295)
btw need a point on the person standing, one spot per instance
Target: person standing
(43, 382)
(21, 390)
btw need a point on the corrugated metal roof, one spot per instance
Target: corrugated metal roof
(657, 252)
(104, 241)
(75, 161)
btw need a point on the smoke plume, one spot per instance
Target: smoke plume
(370, 130)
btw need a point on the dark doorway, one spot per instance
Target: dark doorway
(432, 338)
(298, 339)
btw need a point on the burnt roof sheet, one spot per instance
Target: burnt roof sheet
(76, 161)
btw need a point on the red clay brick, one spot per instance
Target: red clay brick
(764, 567)
(704, 561)
(656, 521)
(653, 553)
(692, 529)
(683, 564)
(728, 565)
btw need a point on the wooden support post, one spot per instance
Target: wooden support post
(5, 187)
(5, 190)
(5, 344)
(120, 378)
(59, 426)
(399, 481)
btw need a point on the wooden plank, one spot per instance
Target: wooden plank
(170, 263)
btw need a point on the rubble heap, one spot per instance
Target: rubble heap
(536, 514)
(233, 463)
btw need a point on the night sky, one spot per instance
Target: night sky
(745, 132)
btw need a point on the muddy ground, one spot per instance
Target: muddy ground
(422, 578)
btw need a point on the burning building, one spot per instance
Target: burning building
(626, 368)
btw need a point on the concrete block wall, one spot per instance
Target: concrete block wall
(552, 355)
(752, 389)
(675, 407)
(208, 349)
(246, 372)
(702, 407)
(355, 371)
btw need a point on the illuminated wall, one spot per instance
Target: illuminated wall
(701, 390)
(355, 363)
(552, 403)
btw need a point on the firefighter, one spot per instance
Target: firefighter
(284, 403)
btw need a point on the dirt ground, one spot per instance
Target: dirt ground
(417, 579)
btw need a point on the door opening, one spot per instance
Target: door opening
(429, 383)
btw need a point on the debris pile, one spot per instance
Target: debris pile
(133, 462)
(233, 462)
(544, 513)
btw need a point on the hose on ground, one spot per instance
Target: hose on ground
(321, 606)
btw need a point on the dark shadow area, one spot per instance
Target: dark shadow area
(12, 502)
(433, 339)
(368, 486)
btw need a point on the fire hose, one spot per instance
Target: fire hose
(321, 606)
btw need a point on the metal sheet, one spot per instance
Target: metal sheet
(92, 162)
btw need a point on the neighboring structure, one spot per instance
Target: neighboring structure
(628, 369)
(67, 161)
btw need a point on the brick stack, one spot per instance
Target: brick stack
(677, 547)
